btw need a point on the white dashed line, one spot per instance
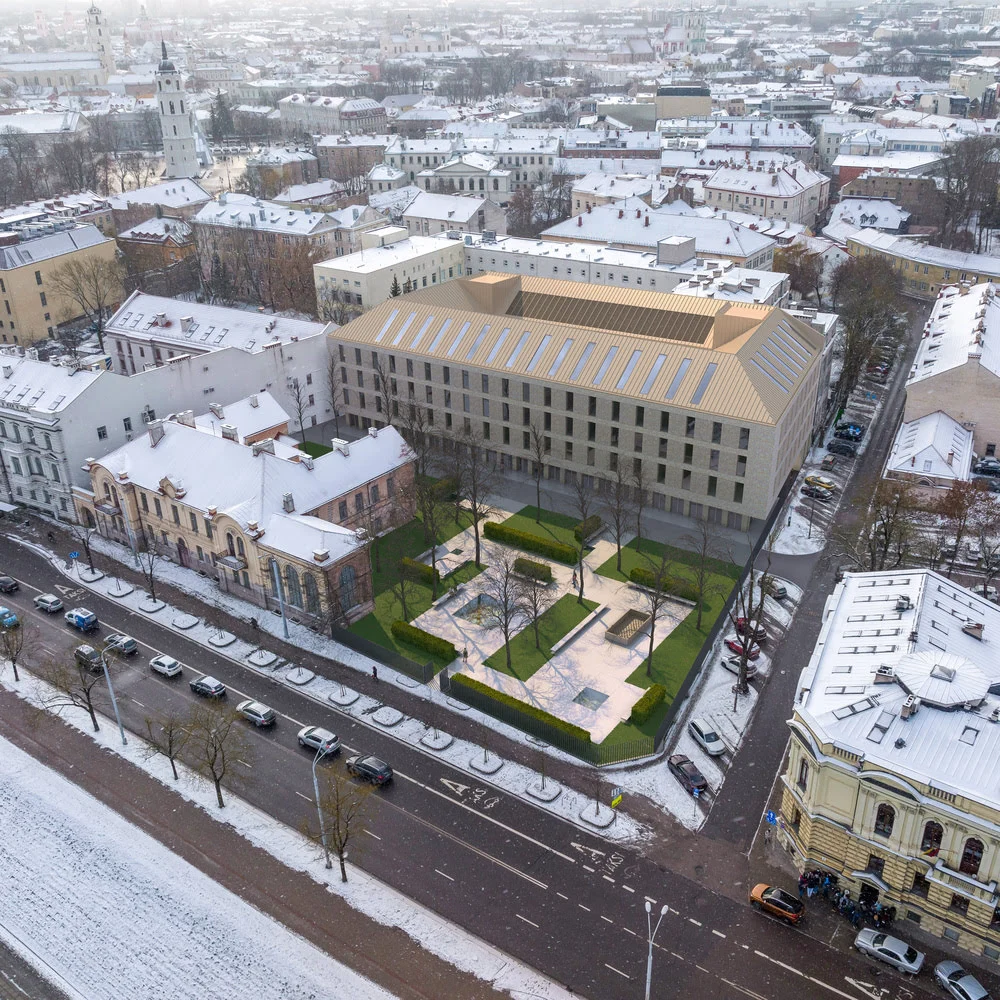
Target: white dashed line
(718, 933)
(628, 930)
(608, 919)
(691, 920)
(588, 868)
(608, 878)
(375, 835)
(560, 895)
(526, 920)
(650, 900)
(450, 879)
(301, 796)
(624, 975)
(628, 888)
(244, 763)
(582, 907)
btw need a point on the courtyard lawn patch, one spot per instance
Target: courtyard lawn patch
(315, 449)
(558, 527)
(674, 657)
(525, 659)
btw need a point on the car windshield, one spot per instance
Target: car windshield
(710, 737)
(910, 954)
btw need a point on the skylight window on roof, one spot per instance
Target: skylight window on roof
(386, 325)
(703, 384)
(584, 358)
(627, 374)
(605, 365)
(57, 402)
(440, 336)
(402, 330)
(653, 372)
(416, 340)
(539, 351)
(560, 357)
(495, 350)
(458, 338)
(675, 383)
(855, 708)
(881, 727)
(842, 668)
(779, 363)
(969, 735)
(844, 689)
(787, 337)
(760, 368)
(517, 350)
(481, 336)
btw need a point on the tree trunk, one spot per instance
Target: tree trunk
(618, 542)
(13, 663)
(649, 658)
(434, 576)
(579, 598)
(475, 531)
(506, 646)
(173, 767)
(343, 866)
(538, 641)
(218, 792)
(538, 498)
(93, 716)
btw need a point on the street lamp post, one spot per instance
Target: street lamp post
(320, 753)
(652, 934)
(114, 701)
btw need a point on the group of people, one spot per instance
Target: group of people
(857, 912)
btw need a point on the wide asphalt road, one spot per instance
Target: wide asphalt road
(554, 896)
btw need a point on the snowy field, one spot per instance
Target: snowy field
(112, 913)
(364, 893)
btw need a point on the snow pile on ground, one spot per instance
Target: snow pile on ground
(113, 913)
(797, 537)
(363, 892)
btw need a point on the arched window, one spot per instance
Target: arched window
(293, 592)
(348, 588)
(930, 843)
(240, 550)
(972, 857)
(274, 578)
(230, 544)
(172, 107)
(311, 593)
(88, 518)
(885, 816)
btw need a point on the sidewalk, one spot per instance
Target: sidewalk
(385, 955)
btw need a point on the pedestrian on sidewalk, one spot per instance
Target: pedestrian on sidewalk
(575, 584)
(465, 655)
(375, 673)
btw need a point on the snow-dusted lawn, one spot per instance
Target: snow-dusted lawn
(106, 842)
(116, 914)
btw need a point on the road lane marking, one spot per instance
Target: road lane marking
(560, 895)
(375, 835)
(742, 989)
(701, 968)
(624, 975)
(628, 930)
(628, 888)
(608, 878)
(243, 762)
(301, 796)
(449, 878)
(650, 900)
(135, 701)
(582, 907)
(608, 919)
(718, 933)
(681, 957)
(526, 920)
(697, 923)
(589, 869)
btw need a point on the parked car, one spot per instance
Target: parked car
(8, 585)
(815, 493)
(776, 901)
(122, 644)
(684, 770)
(829, 461)
(843, 448)
(993, 485)
(316, 738)
(732, 664)
(8, 619)
(735, 644)
(890, 950)
(169, 667)
(821, 481)
(82, 619)
(208, 687)
(990, 593)
(760, 633)
(776, 590)
(706, 737)
(953, 979)
(987, 467)
(849, 433)
(48, 602)
(974, 549)
(257, 712)
(369, 768)
(88, 658)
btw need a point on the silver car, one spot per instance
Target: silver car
(953, 979)
(257, 712)
(890, 950)
(317, 738)
(706, 737)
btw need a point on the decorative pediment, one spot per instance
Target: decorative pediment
(172, 488)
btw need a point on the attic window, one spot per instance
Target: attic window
(969, 736)
(943, 673)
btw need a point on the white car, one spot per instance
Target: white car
(732, 664)
(706, 737)
(890, 950)
(48, 602)
(165, 665)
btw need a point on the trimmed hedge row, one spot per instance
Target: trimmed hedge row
(576, 732)
(585, 529)
(530, 543)
(432, 644)
(419, 572)
(647, 704)
(534, 570)
(671, 585)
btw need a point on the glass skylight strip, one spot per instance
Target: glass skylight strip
(386, 325)
(675, 382)
(791, 347)
(440, 336)
(768, 375)
(496, 347)
(420, 333)
(517, 350)
(478, 341)
(536, 357)
(782, 366)
(560, 357)
(627, 374)
(584, 358)
(653, 372)
(605, 365)
(703, 384)
(778, 374)
(776, 348)
(458, 338)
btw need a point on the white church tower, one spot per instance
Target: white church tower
(99, 39)
(179, 146)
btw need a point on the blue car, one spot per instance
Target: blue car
(8, 619)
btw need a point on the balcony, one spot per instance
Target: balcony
(230, 561)
(962, 884)
(108, 508)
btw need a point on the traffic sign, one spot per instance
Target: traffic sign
(695, 792)
(770, 817)
(616, 797)
(74, 555)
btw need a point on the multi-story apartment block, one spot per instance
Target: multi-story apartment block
(791, 192)
(29, 255)
(890, 775)
(348, 156)
(318, 114)
(708, 404)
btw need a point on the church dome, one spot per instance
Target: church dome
(166, 66)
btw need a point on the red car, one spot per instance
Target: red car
(735, 644)
(760, 633)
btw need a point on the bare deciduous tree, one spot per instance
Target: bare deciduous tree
(415, 429)
(403, 589)
(12, 643)
(702, 543)
(82, 534)
(584, 504)
(335, 387)
(433, 513)
(961, 507)
(167, 735)
(538, 450)
(93, 284)
(655, 596)
(218, 741)
(148, 555)
(534, 599)
(618, 509)
(342, 805)
(477, 482)
(503, 611)
(386, 392)
(73, 686)
(298, 395)
(886, 535)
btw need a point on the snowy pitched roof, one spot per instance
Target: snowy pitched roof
(44, 388)
(870, 213)
(44, 247)
(934, 445)
(246, 212)
(780, 182)
(251, 416)
(443, 207)
(171, 194)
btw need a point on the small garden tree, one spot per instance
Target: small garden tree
(218, 740)
(167, 735)
(503, 610)
(340, 809)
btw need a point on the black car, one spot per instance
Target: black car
(987, 467)
(848, 434)
(208, 687)
(369, 768)
(842, 448)
(88, 658)
(686, 773)
(815, 493)
(8, 585)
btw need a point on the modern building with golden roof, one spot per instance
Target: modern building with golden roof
(708, 404)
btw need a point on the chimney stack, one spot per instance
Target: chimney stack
(229, 432)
